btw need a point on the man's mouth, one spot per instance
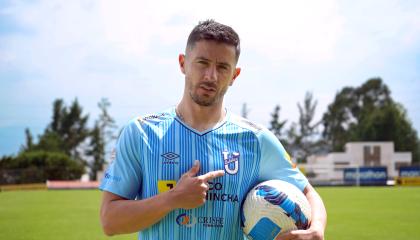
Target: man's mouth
(207, 87)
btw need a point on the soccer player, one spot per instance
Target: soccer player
(182, 173)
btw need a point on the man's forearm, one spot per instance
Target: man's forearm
(120, 216)
(318, 211)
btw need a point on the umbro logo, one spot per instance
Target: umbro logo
(170, 158)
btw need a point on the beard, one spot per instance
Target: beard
(204, 99)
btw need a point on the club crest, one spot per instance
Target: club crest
(231, 161)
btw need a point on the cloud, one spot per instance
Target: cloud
(127, 51)
(297, 30)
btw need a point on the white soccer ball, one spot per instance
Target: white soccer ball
(274, 207)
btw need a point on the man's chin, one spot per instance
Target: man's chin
(203, 101)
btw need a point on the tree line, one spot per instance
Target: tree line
(65, 149)
(363, 113)
(68, 146)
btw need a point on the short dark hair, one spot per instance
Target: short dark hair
(214, 31)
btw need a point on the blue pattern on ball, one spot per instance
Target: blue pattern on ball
(275, 197)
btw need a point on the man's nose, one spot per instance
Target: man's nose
(211, 73)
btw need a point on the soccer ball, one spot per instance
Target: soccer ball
(274, 207)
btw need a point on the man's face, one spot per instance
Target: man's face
(209, 68)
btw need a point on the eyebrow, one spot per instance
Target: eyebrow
(208, 60)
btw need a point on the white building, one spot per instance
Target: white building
(328, 169)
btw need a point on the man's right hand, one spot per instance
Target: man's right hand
(191, 190)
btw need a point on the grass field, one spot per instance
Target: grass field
(369, 213)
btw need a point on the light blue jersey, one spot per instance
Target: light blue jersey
(153, 152)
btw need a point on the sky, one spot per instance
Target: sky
(127, 52)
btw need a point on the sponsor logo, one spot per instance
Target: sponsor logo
(231, 161)
(366, 175)
(170, 158)
(153, 116)
(165, 185)
(215, 193)
(186, 220)
(223, 197)
(112, 178)
(409, 172)
(369, 174)
(289, 159)
(211, 221)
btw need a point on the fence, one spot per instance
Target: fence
(353, 175)
(36, 175)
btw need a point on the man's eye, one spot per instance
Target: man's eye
(223, 67)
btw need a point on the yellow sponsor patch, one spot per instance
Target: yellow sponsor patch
(288, 158)
(165, 185)
(408, 181)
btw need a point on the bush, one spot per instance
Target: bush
(39, 166)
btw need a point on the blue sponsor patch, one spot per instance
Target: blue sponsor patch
(265, 229)
(366, 175)
(409, 171)
(112, 178)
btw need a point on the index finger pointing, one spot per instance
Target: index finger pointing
(212, 175)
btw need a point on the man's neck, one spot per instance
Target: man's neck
(199, 117)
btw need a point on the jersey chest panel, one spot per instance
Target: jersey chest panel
(172, 154)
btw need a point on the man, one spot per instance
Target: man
(183, 173)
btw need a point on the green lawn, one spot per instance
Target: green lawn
(372, 213)
(54, 214)
(369, 213)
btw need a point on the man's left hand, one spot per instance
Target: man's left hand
(310, 234)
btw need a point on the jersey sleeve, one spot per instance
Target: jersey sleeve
(123, 176)
(275, 163)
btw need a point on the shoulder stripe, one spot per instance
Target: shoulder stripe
(245, 123)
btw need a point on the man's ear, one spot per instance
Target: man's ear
(235, 75)
(181, 59)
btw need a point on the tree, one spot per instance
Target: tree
(59, 152)
(106, 122)
(389, 123)
(39, 166)
(59, 113)
(66, 131)
(50, 142)
(368, 113)
(29, 143)
(303, 135)
(97, 151)
(350, 107)
(338, 120)
(101, 134)
(58, 145)
(276, 126)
